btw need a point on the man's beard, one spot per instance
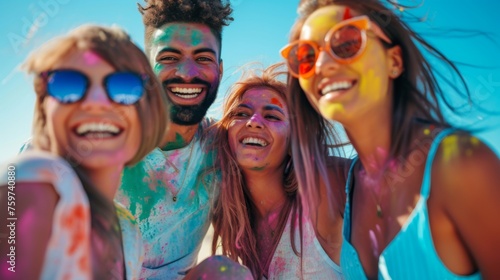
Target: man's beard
(191, 114)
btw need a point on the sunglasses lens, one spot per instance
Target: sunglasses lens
(66, 86)
(125, 87)
(346, 42)
(301, 58)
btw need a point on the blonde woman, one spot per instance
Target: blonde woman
(95, 98)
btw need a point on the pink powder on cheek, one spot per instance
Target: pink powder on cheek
(91, 58)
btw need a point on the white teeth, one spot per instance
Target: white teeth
(190, 91)
(337, 86)
(255, 141)
(97, 128)
(187, 96)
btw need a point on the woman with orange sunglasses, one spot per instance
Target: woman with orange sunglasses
(357, 63)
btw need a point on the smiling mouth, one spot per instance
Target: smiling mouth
(338, 87)
(254, 141)
(186, 92)
(97, 130)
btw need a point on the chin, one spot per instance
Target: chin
(101, 161)
(332, 112)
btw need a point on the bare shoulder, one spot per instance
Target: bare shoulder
(466, 179)
(464, 160)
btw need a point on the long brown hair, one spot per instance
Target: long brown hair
(232, 217)
(418, 94)
(115, 47)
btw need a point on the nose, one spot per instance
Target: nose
(187, 70)
(255, 121)
(326, 64)
(96, 99)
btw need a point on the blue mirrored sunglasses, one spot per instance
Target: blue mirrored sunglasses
(70, 86)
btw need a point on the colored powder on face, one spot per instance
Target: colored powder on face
(91, 58)
(223, 268)
(328, 110)
(158, 67)
(450, 147)
(347, 14)
(371, 85)
(427, 131)
(325, 20)
(276, 102)
(196, 37)
(164, 36)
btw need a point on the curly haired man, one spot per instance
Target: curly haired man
(170, 192)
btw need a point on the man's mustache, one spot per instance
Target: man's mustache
(181, 81)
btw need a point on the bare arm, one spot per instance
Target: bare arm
(471, 180)
(33, 206)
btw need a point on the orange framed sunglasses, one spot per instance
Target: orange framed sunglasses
(345, 42)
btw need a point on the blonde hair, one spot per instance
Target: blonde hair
(115, 47)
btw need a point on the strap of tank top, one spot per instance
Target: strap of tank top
(350, 176)
(426, 181)
(348, 189)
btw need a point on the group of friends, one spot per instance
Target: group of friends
(124, 173)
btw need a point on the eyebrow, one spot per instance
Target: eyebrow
(266, 108)
(202, 50)
(168, 49)
(197, 51)
(274, 107)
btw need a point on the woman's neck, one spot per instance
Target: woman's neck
(266, 190)
(371, 138)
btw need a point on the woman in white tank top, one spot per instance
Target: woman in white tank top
(259, 213)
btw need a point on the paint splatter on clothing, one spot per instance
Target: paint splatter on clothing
(68, 252)
(132, 242)
(315, 263)
(172, 231)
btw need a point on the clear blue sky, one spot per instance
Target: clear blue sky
(260, 29)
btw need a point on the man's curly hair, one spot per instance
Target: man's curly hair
(212, 13)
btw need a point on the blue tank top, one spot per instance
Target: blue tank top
(411, 254)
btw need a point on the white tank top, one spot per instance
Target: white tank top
(316, 264)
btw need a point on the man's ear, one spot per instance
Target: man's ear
(221, 69)
(395, 62)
